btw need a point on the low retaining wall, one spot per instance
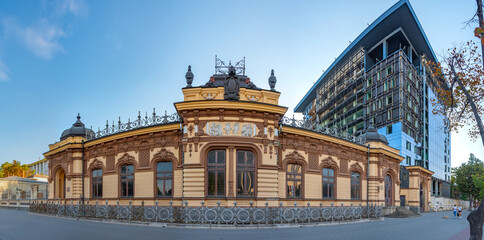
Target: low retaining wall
(16, 204)
(446, 204)
(209, 215)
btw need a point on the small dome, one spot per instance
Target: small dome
(372, 135)
(77, 129)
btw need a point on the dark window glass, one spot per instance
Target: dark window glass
(294, 180)
(328, 183)
(216, 173)
(164, 179)
(245, 173)
(355, 185)
(127, 181)
(97, 183)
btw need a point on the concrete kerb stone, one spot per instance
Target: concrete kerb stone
(211, 226)
(18, 208)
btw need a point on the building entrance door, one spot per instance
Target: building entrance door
(388, 190)
(60, 184)
(422, 199)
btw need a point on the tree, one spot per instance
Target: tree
(460, 93)
(464, 177)
(478, 180)
(15, 168)
(460, 89)
(479, 31)
(469, 179)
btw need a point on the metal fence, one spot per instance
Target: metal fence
(139, 122)
(210, 215)
(317, 128)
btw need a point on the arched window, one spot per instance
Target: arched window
(294, 180)
(127, 181)
(328, 183)
(245, 173)
(164, 179)
(97, 183)
(216, 173)
(355, 185)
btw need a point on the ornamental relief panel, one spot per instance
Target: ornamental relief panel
(232, 129)
(126, 159)
(95, 164)
(356, 167)
(164, 154)
(329, 162)
(294, 157)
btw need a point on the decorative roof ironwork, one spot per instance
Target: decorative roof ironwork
(140, 122)
(221, 68)
(293, 122)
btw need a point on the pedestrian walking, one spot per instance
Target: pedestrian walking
(455, 211)
(460, 211)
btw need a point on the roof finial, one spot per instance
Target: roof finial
(272, 81)
(78, 116)
(189, 76)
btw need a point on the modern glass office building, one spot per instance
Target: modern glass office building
(382, 79)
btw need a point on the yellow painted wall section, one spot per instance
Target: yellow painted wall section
(51, 192)
(282, 183)
(77, 166)
(87, 187)
(198, 93)
(178, 183)
(312, 186)
(343, 185)
(143, 184)
(68, 188)
(194, 179)
(110, 186)
(267, 183)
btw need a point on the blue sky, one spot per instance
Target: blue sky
(106, 59)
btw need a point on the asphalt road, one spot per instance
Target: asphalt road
(21, 225)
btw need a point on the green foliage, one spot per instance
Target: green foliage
(478, 180)
(15, 168)
(468, 177)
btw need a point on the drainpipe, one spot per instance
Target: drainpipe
(367, 174)
(82, 194)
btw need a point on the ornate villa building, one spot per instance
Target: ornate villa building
(229, 141)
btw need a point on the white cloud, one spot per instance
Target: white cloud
(116, 43)
(3, 72)
(42, 38)
(76, 7)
